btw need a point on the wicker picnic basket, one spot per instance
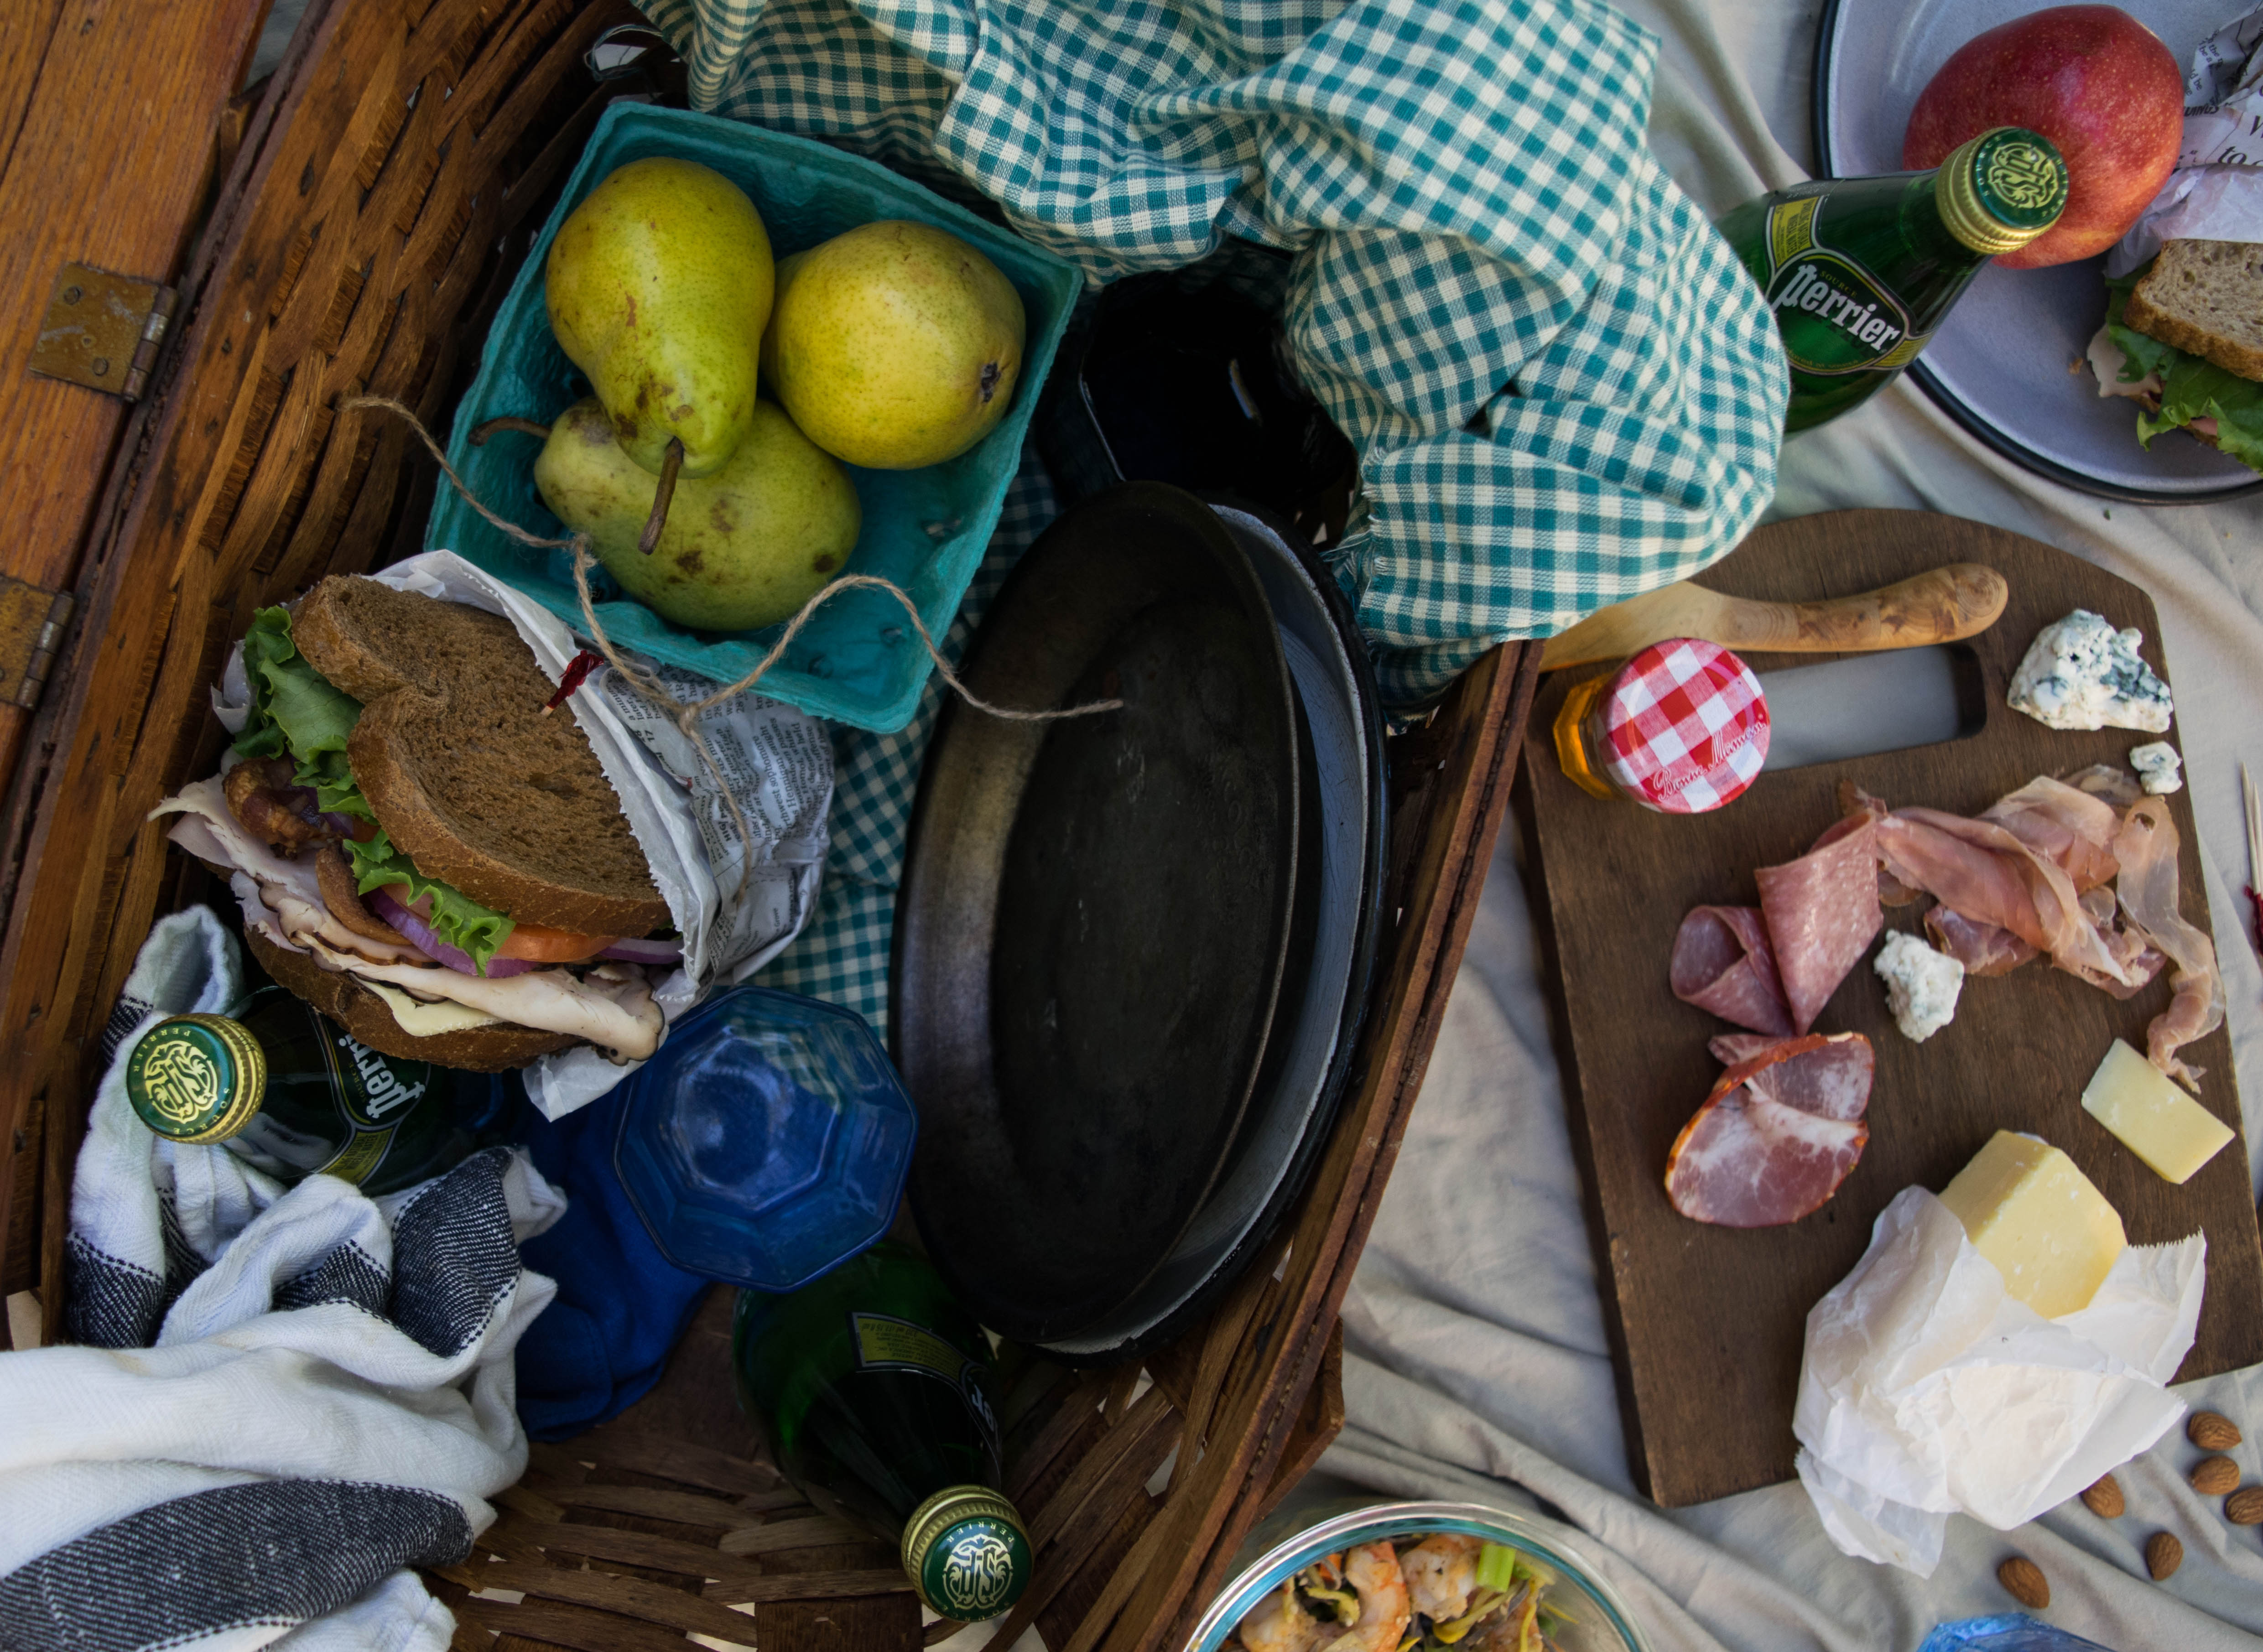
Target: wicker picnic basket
(369, 207)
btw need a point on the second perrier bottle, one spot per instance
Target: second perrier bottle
(1859, 272)
(872, 1386)
(292, 1093)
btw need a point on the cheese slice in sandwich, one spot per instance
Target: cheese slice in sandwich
(418, 850)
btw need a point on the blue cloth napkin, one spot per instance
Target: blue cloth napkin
(621, 1305)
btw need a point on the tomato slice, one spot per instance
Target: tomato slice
(540, 945)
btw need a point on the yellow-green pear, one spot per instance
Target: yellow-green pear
(894, 345)
(659, 286)
(743, 549)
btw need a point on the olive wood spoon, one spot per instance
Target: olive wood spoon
(1944, 604)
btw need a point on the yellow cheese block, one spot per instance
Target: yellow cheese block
(2029, 1210)
(2153, 1118)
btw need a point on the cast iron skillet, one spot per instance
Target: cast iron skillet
(1095, 914)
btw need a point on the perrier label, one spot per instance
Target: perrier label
(871, 1385)
(1859, 271)
(292, 1092)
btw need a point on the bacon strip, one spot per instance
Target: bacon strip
(1724, 965)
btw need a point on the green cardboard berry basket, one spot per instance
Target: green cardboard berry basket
(857, 660)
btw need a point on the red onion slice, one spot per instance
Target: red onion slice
(403, 916)
(630, 950)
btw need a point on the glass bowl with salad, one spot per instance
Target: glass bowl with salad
(1419, 1578)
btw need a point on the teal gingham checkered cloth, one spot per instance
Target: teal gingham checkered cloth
(1563, 387)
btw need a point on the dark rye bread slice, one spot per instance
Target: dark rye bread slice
(468, 776)
(370, 1018)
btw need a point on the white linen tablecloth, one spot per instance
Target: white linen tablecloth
(1474, 1333)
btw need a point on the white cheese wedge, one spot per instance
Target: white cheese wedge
(430, 1021)
(2027, 1209)
(2150, 1116)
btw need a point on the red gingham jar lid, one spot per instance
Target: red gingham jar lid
(1685, 726)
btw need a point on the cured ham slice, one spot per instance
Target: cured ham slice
(1729, 1048)
(1823, 912)
(2074, 830)
(1724, 965)
(1982, 948)
(1777, 1134)
(2147, 850)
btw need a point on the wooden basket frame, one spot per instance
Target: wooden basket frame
(364, 231)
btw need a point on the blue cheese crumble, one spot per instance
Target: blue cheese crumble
(2079, 673)
(2160, 767)
(1922, 985)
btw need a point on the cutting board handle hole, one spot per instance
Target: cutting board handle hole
(1868, 704)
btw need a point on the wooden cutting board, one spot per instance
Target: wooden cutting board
(1707, 1321)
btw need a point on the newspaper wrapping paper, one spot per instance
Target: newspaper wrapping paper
(1563, 388)
(1926, 1390)
(778, 765)
(2216, 192)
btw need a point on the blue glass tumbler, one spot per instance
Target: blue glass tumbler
(767, 1140)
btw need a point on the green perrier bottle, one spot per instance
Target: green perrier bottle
(1859, 272)
(292, 1092)
(873, 1386)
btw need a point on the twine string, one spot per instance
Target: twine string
(685, 713)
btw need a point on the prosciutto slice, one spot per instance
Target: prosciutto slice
(1724, 965)
(2147, 850)
(1982, 948)
(1777, 1134)
(1823, 912)
(2074, 830)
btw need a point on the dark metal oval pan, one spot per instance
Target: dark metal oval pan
(1095, 913)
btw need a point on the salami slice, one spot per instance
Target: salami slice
(1822, 912)
(1777, 1134)
(1722, 964)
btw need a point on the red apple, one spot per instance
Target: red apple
(2095, 81)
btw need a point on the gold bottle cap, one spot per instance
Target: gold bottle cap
(197, 1078)
(968, 1554)
(2000, 191)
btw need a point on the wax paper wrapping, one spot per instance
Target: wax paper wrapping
(2216, 192)
(736, 903)
(1926, 1390)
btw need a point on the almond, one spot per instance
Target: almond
(2025, 1581)
(2104, 1499)
(2213, 1477)
(2244, 1507)
(2211, 1431)
(2163, 1554)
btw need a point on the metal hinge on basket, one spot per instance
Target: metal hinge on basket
(32, 621)
(103, 330)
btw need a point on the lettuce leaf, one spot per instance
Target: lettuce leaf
(297, 712)
(456, 917)
(2192, 387)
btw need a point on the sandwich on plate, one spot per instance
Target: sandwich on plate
(420, 851)
(2184, 338)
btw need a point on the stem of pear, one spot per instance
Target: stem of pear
(671, 461)
(529, 426)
